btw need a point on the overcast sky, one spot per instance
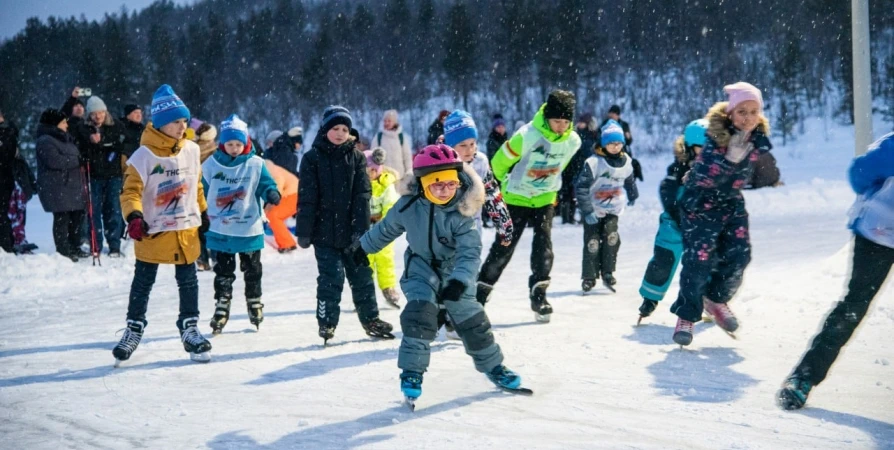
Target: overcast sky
(14, 13)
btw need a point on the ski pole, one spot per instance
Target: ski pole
(94, 252)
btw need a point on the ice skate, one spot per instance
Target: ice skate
(392, 297)
(326, 332)
(133, 333)
(587, 284)
(793, 394)
(723, 316)
(255, 311)
(683, 332)
(609, 281)
(378, 328)
(411, 387)
(194, 343)
(507, 380)
(221, 315)
(646, 309)
(539, 304)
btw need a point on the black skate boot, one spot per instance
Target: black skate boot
(221, 315)
(326, 332)
(587, 284)
(378, 328)
(609, 281)
(483, 293)
(542, 309)
(794, 392)
(255, 311)
(133, 333)
(194, 343)
(645, 310)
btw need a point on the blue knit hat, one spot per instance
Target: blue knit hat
(612, 132)
(234, 129)
(167, 107)
(458, 127)
(335, 115)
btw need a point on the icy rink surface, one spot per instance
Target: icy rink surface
(600, 382)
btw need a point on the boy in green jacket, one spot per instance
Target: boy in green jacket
(529, 167)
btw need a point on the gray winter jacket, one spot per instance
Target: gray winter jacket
(444, 242)
(61, 188)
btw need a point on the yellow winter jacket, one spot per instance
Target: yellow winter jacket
(168, 247)
(384, 194)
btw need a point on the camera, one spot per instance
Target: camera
(85, 92)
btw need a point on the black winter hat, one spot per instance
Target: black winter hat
(335, 115)
(52, 117)
(615, 109)
(129, 108)
(560, 105)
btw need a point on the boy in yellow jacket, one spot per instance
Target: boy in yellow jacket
(164, 203)
(384, 196)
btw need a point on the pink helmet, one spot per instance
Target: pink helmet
(434, 158)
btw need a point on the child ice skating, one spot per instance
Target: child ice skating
(872, 221)
(529, 167)
(164, 203)
(384, 195)
(601, 186)
(669, 240)
(461, 134)
(436, 210)
(713, 219)
(333, 212)
(235, 181)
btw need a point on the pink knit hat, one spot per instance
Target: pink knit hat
(742, 92)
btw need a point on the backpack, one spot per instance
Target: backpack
(399, 136)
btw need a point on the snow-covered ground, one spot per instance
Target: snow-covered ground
(599, 381)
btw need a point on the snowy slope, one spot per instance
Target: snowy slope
(599, 382)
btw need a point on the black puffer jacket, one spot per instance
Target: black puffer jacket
(334, 193)
(282, 153)
(9, 143)
(59, 171)
(132, 133)
(104, 157)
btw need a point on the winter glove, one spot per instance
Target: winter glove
(453, 291)
(303, 242)
(357, 254)
(206, 223)
(273, 197)
(591, 219)
(136, 228)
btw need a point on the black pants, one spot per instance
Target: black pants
(333, 266)
(541, 251)
(871, 265)
(601, 244)
(67, 231)
(6, 239)
(225, 274)
(143, 280)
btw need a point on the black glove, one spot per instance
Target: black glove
(453, 291)
(357, 254)
(273, 197)
(303, 242)
(206, 223)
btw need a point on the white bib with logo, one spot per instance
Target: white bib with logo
(233, 207)
(540, 168)
(170, 188)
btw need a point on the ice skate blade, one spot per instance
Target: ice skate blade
(639, 320)
(517, 391)
(411, 403)
(118, 363)
(203, 357)
(542, 318)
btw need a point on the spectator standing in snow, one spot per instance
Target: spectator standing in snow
(395, 142)
(9, 145)
(436, 129)
(497, 136)
(61, 185)
(287, 150)
(132, 122)
(872, 221)
(101, 141)
(73, 108)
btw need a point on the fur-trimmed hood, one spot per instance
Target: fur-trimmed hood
(720, 127)
(468, 200)
(680, 153)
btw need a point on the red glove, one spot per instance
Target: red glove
(136, 228)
